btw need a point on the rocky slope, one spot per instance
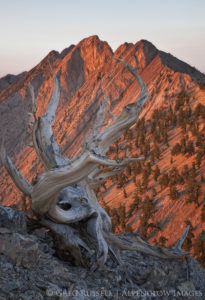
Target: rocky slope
(85, 71)
(30, 270)
(8, 80)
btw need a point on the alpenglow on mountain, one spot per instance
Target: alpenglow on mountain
(170, 133)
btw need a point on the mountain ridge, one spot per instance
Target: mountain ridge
(148, 48)
(85, 71)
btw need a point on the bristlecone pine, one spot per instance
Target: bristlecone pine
(62, 197)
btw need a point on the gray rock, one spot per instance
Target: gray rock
(29, 270)
(12, 219)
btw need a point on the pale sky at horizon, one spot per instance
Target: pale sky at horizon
(30, 29)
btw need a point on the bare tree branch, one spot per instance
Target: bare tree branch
(14, 173)
(44, 143)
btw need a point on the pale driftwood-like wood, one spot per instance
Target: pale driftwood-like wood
(63, 198)
(21, 183)
(98, 143)
(43, 140)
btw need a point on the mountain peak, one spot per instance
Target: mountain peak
(145, 43)
(143, 51)
(91, 38)
(147, 50)
(94, 41)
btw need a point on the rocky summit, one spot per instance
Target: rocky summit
(30, 269)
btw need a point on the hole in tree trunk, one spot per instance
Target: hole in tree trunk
(65, 206)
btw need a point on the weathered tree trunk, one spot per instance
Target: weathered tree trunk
(63, 198)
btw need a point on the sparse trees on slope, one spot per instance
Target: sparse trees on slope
(134, 206)
(63, 197)
(193, 188)
(148, 211)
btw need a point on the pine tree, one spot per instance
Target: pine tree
(187, 245)
(115, 219)
(199, 249)
(156, 151)
(180, 100)
(137, 142)
(149, 168)
(162, 241)
(122, 180)
(146, 148)
(124, 192)
(153, 127)
(172, 117)
(199, 157)
(154, 193)
(152, 158)
(137, 168)
(199, 111)
(185, 172)
(156, 173)
(182, 119)
(128, 170)
(139, 187)
(190, 148)
(128, 228)
(145, 180)
(173, 193)
(148, 211)
(203, 214)
(134, 206)
(193, 188)
(195, 130)
(116, 143)
(175, 177)
(157, 137)
(164, 181)
(183, 143)
(176, 149)
(193, 191)
(165, 137)
(122, 215)
(129, 134)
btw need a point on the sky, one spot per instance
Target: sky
(30, 29)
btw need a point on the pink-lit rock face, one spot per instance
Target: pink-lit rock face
(85, 71)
